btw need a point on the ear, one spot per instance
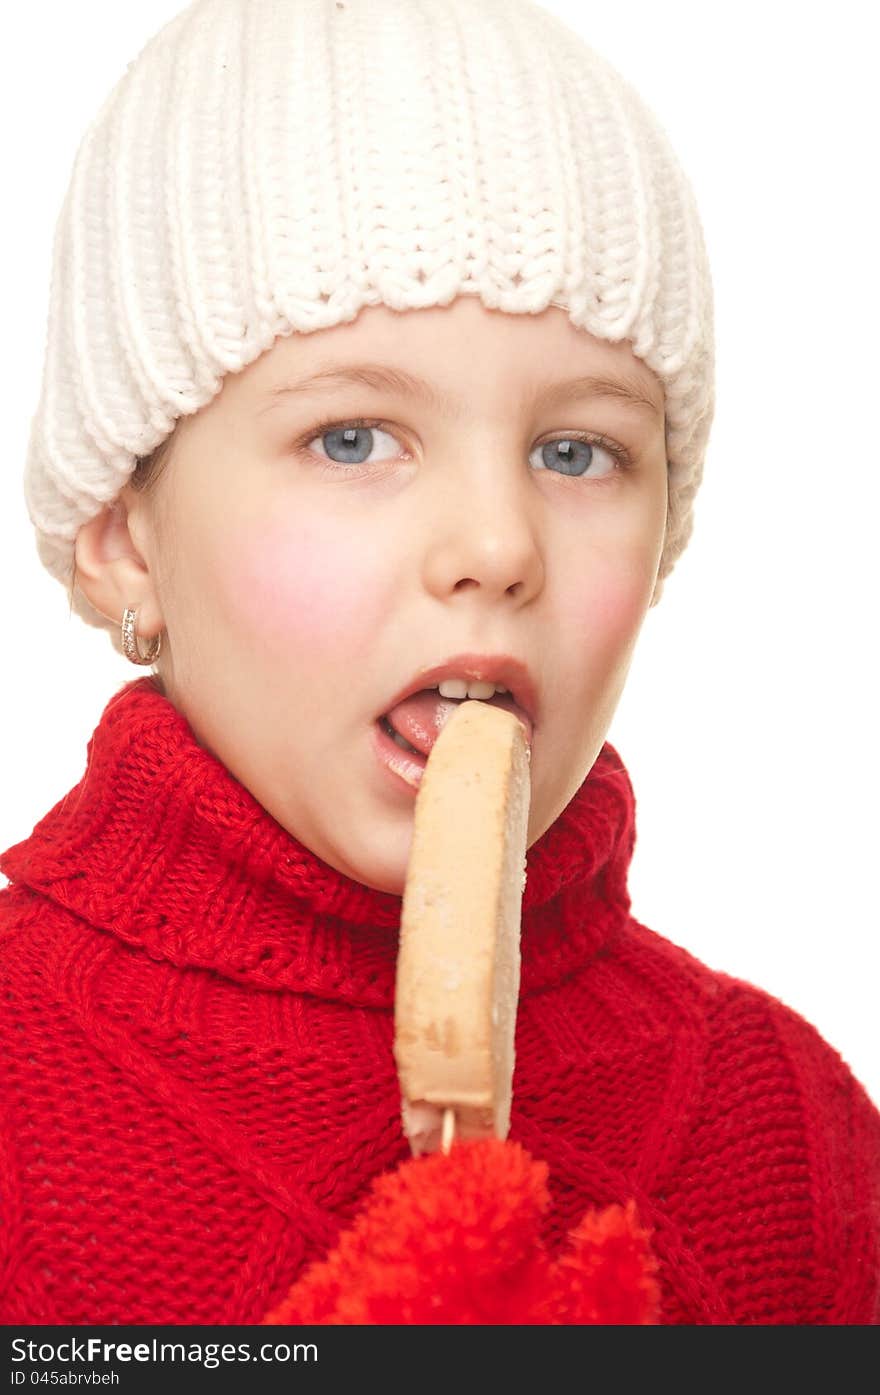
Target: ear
(112, 570)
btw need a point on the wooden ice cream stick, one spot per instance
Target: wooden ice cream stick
(458, 967)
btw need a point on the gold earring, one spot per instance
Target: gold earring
(130, 640)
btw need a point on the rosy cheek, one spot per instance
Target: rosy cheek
(607, 616)
(307, 587)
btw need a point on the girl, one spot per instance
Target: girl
(379, 373)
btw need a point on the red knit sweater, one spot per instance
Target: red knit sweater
(198, 1084)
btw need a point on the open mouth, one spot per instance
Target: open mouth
(416, 722)
(422, 716)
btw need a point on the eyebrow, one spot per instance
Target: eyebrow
(382, 377)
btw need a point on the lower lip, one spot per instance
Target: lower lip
(407, 770)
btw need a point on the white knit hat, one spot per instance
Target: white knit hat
(271, 166)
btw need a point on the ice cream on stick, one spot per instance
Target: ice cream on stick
(458, 965)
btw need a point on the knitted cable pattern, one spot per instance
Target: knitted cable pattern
(263, 169)
(197, 1084)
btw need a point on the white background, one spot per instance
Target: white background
(746, 724)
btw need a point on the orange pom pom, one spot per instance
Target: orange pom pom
(455, 1239)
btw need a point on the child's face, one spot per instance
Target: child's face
(301, 595)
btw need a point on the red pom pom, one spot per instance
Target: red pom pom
(455, 1239)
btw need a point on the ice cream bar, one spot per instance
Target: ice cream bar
(458, 965)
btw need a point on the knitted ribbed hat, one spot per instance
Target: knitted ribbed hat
(271, 166)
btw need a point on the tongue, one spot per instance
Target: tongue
(421, 717)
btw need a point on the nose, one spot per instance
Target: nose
(485, 532)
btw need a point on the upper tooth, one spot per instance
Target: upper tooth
(461, 688)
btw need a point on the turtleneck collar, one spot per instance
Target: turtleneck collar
(160, 845)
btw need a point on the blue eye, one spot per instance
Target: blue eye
(575, 456)
(578, 455)
(351, 442)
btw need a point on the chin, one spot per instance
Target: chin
(392, 881)
(377, 873)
